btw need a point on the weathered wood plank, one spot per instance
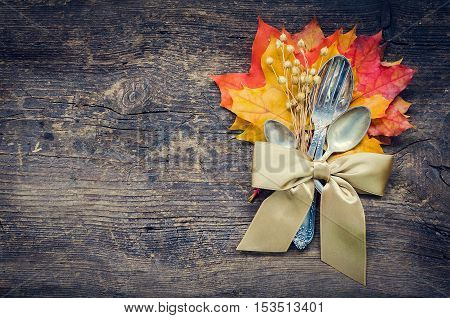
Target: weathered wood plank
(118, 176)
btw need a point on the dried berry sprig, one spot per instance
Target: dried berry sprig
(297, 81)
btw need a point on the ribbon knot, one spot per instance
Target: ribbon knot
(342, 222)
(321, 171)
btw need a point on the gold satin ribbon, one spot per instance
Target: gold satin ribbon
(342, 223)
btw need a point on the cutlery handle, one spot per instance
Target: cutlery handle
(305, 234)
(318, 186)
(314, 142)
(318, 155)
(319, 150)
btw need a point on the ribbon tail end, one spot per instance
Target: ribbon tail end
(357, 277)
(248, 247)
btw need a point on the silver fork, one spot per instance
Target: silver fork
(330, 100)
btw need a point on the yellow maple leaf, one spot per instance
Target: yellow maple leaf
(376, 103)
(256, 105)
(346, 39)
(367, 144)
(261, 104)
(332, 51)
(239, 124)
(252, 134)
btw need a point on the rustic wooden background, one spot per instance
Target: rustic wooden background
(119, 178)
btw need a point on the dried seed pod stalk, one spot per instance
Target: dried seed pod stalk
(297, 80)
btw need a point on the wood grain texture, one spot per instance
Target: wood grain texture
(118, 176)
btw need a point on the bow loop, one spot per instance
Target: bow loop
(368, 172)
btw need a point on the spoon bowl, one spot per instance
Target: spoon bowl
(279, 134)
(347, 130)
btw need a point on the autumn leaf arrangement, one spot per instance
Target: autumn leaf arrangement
(284, 69)
(282, 86)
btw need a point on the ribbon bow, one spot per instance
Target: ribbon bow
(342, 221)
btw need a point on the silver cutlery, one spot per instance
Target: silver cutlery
(330, 99)
(343, 134)
(279, 134)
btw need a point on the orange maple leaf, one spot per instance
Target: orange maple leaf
(311, 34)
(394, 122)
(313, 55)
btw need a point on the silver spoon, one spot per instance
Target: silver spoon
(346, 132)
(279, 134)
